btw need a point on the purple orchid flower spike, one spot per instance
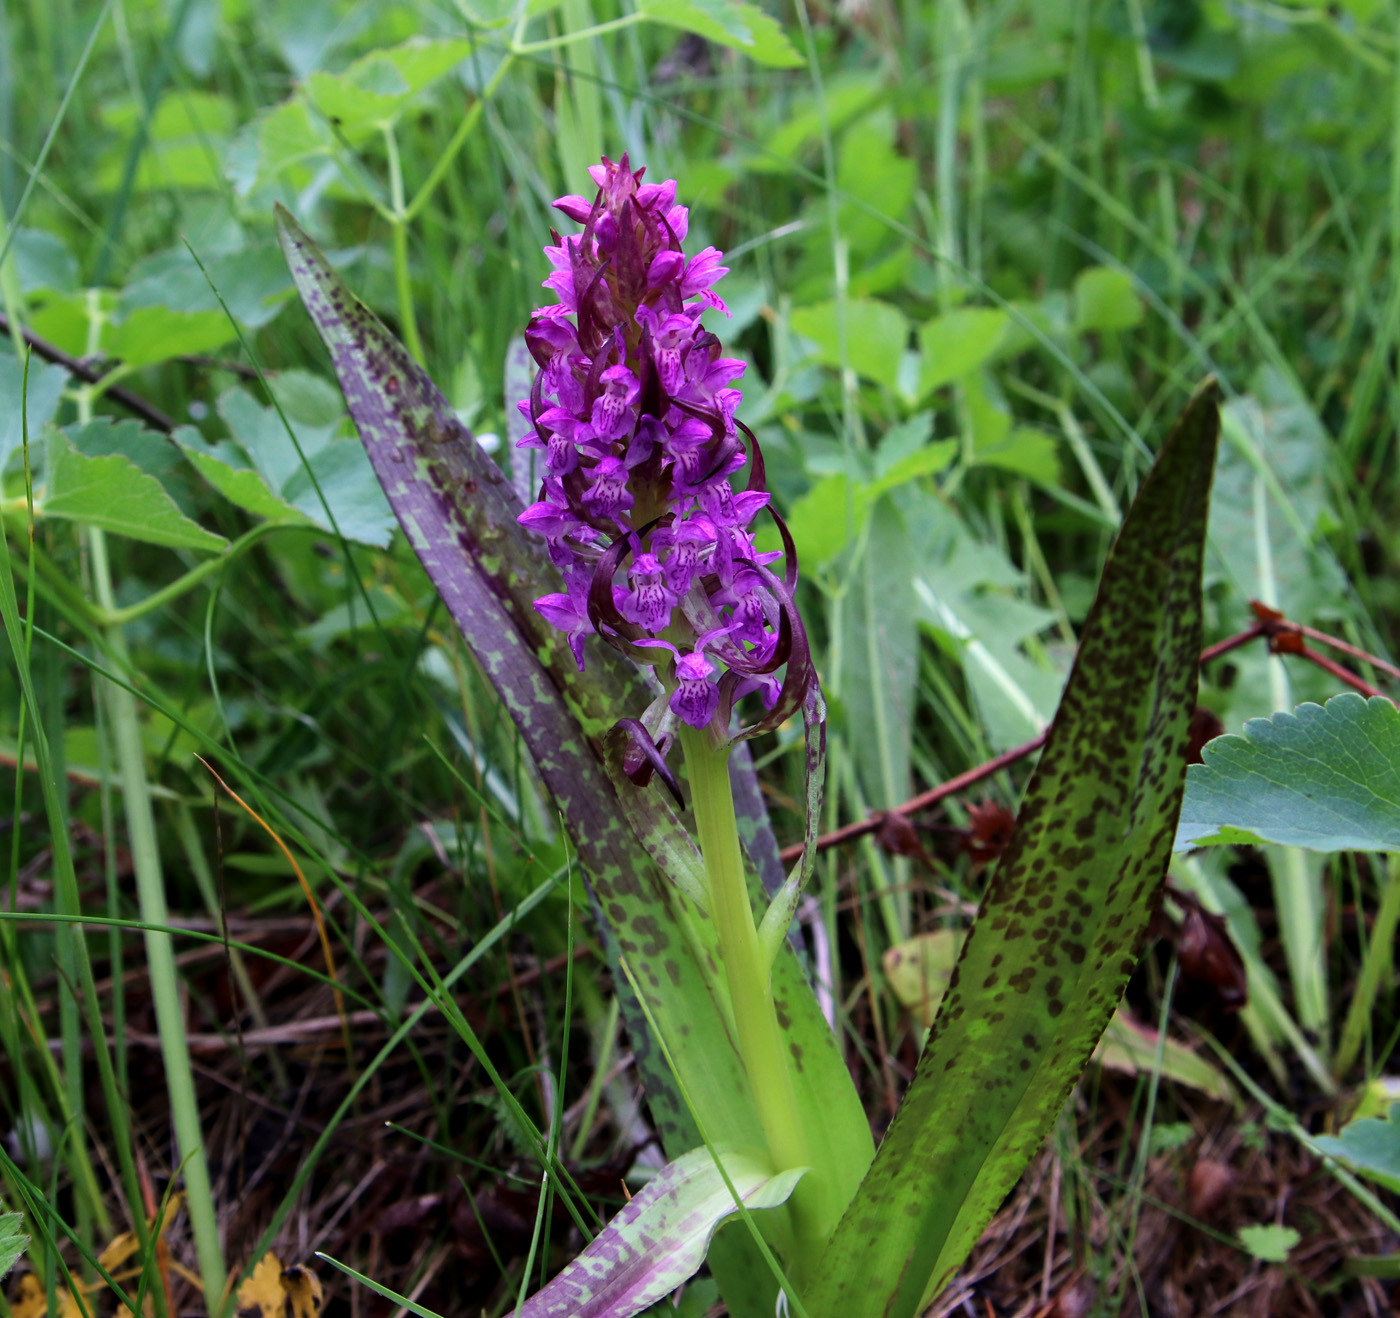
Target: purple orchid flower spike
(633, 409)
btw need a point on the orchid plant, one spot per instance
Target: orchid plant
(609, 582)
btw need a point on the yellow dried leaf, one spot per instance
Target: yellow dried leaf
(126, 1244)
(303, 1288)
(271, 1288)
(261, 1296)
(28, 1300)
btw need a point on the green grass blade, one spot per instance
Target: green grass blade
(1063, 919)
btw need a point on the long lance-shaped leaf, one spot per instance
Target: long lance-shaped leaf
(1063, 919)
(459, 513)
(660, 1238)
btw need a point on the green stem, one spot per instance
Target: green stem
(761, 1044)
(569, 38)
(458, 140)
(398, 224)
(167, 594)
(160, 956)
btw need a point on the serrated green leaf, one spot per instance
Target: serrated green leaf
(1269, 1242)
(876, 336)
(358, 509)
(1325, 777)
(956, 343)
(1058, 932)
(1370, 1147)
(278, 140)
(13, 1241)
(153, 453)
(242, 486)
(1105, 299)
(376, 89)
(156, 334)
(660, 1238)
(115, 494)
(745, 27)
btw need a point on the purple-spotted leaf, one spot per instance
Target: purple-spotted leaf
(1063, 919)
(660, 1238)
(459, 513)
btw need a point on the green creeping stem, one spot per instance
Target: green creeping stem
(748, 972)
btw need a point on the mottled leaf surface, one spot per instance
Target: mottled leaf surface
(1325, 777)
(1062, 921)
(459, 512)
(660, 1238)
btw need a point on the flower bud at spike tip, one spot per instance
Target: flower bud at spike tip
(634, 410)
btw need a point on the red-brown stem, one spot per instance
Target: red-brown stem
(1355, 652)
(1341, 674)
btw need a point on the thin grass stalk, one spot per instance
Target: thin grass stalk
(160, 957)
(1377, 965)
(68, 902)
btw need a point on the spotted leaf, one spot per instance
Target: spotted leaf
(1064, 916)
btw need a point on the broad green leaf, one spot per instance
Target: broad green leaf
(876, 336)
(43, 263)
(46, 385)
(12, 1241)
(459, 513)
(1132, 1047)
(188, 137)
(156, 334)
(743, 26)
(1269, 1242)
(834, 511)
(252, 281)
(1370, 1147)
(1325, 777)
(152, 452)
(242, 486)
(926, 461)
(660, 1238)
(288, 135)
(1064, 915)
(1275, 466)
(956, 343)
(344, 475)
(116, 495)
(1105, 299)
(1029, 453)
(825, 519)
(879, 630)
(375, 90)
(971, 598)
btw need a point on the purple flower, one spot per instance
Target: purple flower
(635, 411)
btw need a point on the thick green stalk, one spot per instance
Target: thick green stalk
(160, 956)
(761, 1044)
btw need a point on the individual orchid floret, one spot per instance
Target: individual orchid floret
(634, 408)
